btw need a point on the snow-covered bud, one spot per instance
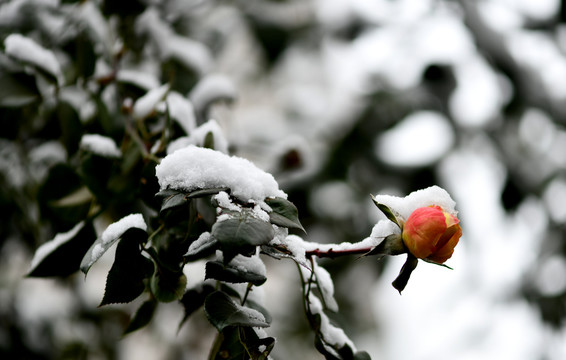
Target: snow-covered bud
(431, 234)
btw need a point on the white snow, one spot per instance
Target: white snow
(479, 95)
(190, 53)
(169, 45)
(224, 201)
(326, 286)
(146, 104)
(45, 249)
(251, 313)
(198, 135)
(419, 139)
(100, 145)
(433, 195)
(299, 247)
(203, 240)
(331, 333)
(112, 233)
(195, 168)
(181, 110)
(143, 79)
(259, 213)
(115, 230)
(27, 50)
(211, 88)
(252, 264)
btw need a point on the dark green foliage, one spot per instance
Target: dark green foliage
(62, 198)
(127, 278)
(241, 233)
(142, 317)
(18, 89)
(219, 271)
(222, 311)
(194, 299)
(167, 285)
(284, 213)
(66, 258)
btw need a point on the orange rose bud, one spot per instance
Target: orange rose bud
(431, 233)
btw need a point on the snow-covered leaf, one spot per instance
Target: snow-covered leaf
(326, 286)
(222, 311)
(17, 89)
(241, 232)
(61, 256)
(28, 51)
(125, 281)
(211, 89)
(193, 168)
(218, 271)
(146, 104)
(100, 145)
(131, 223)
(204, 246)
(181, 110)
(208, 135)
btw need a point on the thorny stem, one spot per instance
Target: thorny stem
(331, 253)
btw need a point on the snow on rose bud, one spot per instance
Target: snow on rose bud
(431, 234)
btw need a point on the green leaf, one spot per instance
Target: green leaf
(208, 141)
(203, 250)
(174, 200)
(125, 281)
(256, 306)
(70, 125)
(99, 247)
(325, 349)
(206, 192)
(18, 89)
(78, 197)
(218, 271)
(391, 245)
(228, 345)
(142, 317)
(95, 171)
(241, 233)
(401, 281)
(438, 264)
(54, 197)
(167, 285)
(194, 298)
(61, 256)
(284, 213)
(387, 212)
(252, 343)
(222, 311)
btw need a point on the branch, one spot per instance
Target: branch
(332, 254)
(391, 245)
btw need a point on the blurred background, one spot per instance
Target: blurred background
(338, 99)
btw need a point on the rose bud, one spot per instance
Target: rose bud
(431, 234)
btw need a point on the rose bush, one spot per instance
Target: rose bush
(430, 233)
